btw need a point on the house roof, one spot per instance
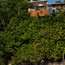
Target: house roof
(39, 3)
(56, 4)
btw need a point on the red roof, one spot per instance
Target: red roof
(39, 3)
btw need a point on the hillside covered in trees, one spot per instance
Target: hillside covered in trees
(29, 39)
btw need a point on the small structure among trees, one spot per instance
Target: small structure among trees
(56, 7)
(38, 8)
(42, 7)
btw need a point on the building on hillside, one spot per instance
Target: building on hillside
(56, 7)
(38, 8)
(42, 8)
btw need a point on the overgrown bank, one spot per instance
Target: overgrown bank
(33, 39)
(26, 39)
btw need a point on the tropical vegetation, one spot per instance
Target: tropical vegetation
(25, 39)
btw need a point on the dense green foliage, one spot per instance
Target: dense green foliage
(9, 9)
(33, 39)
(30, 38)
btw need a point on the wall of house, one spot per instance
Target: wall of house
(38, 8)
(56, 7)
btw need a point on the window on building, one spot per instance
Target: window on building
(42, 7)
(39, 7)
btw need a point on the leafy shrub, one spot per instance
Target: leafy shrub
(32, 39)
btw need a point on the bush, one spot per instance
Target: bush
(32, 39)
